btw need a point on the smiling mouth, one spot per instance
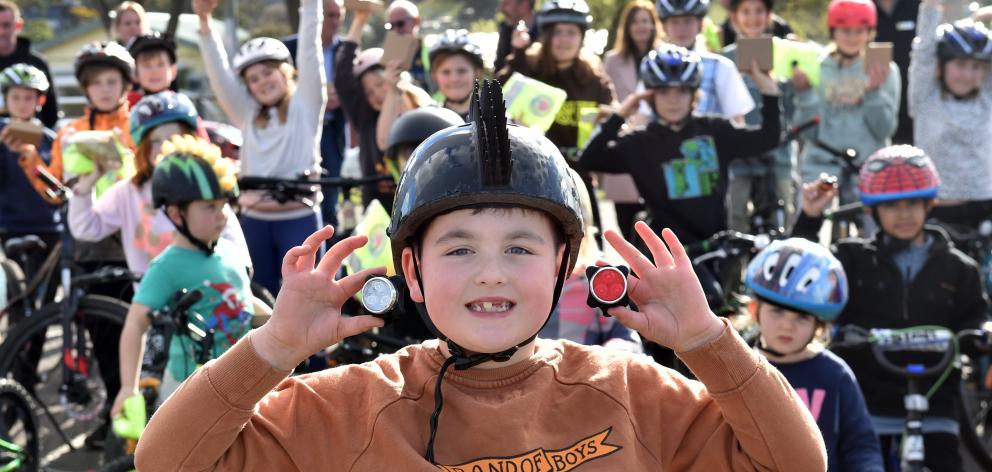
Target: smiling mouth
(490, 307)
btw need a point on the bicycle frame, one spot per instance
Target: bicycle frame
(19, 456)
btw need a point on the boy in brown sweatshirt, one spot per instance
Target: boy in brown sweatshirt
(485, 227)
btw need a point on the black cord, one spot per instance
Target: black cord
(438, 403)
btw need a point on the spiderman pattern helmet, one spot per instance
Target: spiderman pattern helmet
(898, 173)
(800, 275)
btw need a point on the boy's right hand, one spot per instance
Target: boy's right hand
(307, 315)
(816, 199)
(633, 102)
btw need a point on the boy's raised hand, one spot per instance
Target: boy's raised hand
(307, 315)
(671, 306)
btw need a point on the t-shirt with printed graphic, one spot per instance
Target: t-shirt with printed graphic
(225, 307)
(828, 388)
(682, 175)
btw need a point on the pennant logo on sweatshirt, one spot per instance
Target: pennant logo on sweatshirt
(544, 460)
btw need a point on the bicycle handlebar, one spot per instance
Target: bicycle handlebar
(844, 212)
(302, 185)
(919, 339)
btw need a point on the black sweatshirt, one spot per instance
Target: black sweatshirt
(682, 176)
(947, 291)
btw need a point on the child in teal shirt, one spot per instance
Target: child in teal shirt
(192, 184)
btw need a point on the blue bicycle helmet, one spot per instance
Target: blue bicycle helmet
(800, 275)
(671, 66)
(163, 107)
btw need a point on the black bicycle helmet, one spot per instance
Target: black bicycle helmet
(153, 41)
(564, 11)
(414, 126)
(671, 66)
(456, 42)
(163, 107)
(111, 54)
(188, 169)
(964, 39)
(673, 8)
(23, 75)
(484, 163)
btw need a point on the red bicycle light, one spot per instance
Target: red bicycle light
(607, 286)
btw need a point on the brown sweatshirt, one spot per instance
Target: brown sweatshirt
(568, 407)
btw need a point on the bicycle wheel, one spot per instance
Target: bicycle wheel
(18, 428)
(975, 416)
(122, 464)
(32, 354)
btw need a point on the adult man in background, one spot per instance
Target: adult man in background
(15, 49)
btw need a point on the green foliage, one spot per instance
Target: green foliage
(38, 30)
(808, 18)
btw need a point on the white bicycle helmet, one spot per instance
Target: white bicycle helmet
(366, 60)
(258, 50)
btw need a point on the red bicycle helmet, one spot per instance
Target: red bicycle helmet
(898, 173)
(851, 14)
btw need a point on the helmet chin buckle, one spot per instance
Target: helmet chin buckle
(607, 287)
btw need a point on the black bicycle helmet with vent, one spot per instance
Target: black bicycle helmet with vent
(153, 41)
(964, 39)
(414, 126)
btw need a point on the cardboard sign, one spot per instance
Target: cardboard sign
(363, 5)
(28, 133)
(878, 54)
(755, 50)
(401, 48)
(532, 103)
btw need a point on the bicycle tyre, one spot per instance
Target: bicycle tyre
(41, 376)
(14, 395)
(972, 417)
(263, 294)
(121, 464)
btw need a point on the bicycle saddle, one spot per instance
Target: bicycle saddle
(16, 247)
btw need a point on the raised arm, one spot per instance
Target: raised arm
(311, 87)
(605, 150)
(881, 105)
(923, 58)
(91, 220)
(353, 101)
(232, 95)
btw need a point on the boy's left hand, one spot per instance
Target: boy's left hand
(672, 308)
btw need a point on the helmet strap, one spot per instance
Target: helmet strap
(183, 229)
(459, 357)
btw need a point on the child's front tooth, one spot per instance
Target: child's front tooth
(487, 306)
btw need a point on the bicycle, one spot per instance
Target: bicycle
(769, 207)
(19, 448)
(165, 323)
(52, 352)
(847, 158)
(916, 339)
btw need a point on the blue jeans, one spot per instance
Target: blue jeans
(269, 241)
